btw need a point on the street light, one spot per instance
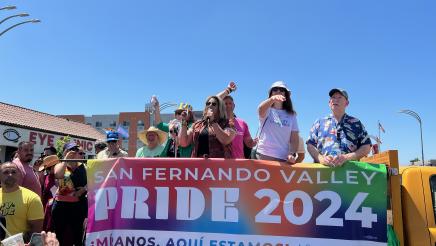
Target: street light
(416, 116)
(18, 24)
(150, 109)
(8, 8)
(167, 105)
(12, 16)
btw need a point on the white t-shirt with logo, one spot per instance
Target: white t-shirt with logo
(274, 138)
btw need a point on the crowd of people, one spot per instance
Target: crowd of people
(51, 195)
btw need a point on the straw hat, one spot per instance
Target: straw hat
(162, 135)
(49, 161)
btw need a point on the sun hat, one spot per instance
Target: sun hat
(49, 161)
(161, 134)
(280, 84)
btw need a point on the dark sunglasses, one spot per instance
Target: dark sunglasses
(82, 153)
(279, 89)
(178, 112)
(75, 149)
(173, 131)
(211, 103)
(112, 141)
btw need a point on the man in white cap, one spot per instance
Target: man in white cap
(338, 137)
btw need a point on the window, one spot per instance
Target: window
(433, 193)
(140, 123)
(113, 124)
(98, 124)
(126, 123)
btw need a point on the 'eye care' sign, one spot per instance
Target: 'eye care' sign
(216, 202)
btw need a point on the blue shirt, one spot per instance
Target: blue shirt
(332, 138)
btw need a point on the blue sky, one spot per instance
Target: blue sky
(103, 57)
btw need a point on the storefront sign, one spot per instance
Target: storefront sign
(11, 136)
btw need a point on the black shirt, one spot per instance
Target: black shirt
(203, 143)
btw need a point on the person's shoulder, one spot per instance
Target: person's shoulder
(323, 119)
(28, 194)
(240, 121)
(352, 120)
(102, 154)
(140, 151)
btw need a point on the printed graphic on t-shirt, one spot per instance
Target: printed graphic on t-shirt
(7, 208)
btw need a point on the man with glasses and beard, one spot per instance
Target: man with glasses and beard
(28, 178)
(338, 137)
(112, 150)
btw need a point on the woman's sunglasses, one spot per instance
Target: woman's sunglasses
(211, 103)
(278, 89)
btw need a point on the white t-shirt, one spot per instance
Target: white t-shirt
(276, 133)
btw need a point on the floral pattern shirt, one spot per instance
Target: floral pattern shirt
(332, 138)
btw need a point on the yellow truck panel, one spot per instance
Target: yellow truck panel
(412, 199)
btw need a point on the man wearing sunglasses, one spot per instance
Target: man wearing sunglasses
(338, 137)
(112, 150)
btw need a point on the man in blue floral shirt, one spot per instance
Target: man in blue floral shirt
(338, 137)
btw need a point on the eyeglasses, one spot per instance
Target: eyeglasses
(173, 131)
(211, 103)
(82, 153)
(178, 112)
(112, 141)
(278, 89)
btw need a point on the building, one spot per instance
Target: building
(132, 122)
(19, 124)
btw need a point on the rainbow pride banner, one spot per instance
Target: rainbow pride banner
(216, 202)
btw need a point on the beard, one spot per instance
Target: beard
(10, 182)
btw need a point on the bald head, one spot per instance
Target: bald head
(9, 174)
